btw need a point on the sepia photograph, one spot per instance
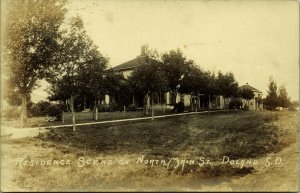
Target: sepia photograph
(158, 95)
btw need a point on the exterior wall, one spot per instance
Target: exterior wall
(126, 73)
(187, 100)
(178, 98)
(219, 104)
(253, 104)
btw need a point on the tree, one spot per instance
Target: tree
(92, 75)
(30, 43)
(195, 82)
(78, 58)
(148, 78)
(176, 66)
(226, 85)
(271, 100)
(246, 94)
(294, 105)
(114, 81)
(11, 94)
(283, 99)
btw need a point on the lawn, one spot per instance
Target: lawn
(84, 117)
(117, 156)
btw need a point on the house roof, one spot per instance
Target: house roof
(131, 64)
(247, 86)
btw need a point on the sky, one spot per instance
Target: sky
(252, 39)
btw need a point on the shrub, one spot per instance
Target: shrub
(235, 103)
(292, 108)
(39, 109)
(102, 107)
(246, 108)
(115, 107)
(63, 107)
(12, 113)
(54, 111)
(131, 108)
(179, 107)
(43, 106)
(34, 111)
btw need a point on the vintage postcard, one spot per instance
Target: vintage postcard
(149, 95)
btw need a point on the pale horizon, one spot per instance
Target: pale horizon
(252, 39)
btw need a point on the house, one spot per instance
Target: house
(254, 103)
(163, 99)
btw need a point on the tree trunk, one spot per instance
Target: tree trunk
(24, 111)
(67, 105)
(96, 113)
(95, 110)
(197, 103)
(146, 104)
(174, 97)
(226, 103)
(62, 116)
(84, 103)
(73, 113)
(208, 102)
(152, 110)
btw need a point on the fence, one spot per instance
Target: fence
(102, 116)
(89, 116)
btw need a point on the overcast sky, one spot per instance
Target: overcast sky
(252, 39)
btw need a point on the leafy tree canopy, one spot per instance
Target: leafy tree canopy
(31, 44)
(150, 76)
(175, 65)
(271, 100)
(31, 40)
(82, 66)
(226, 85)
(246, 93)
(283, 98)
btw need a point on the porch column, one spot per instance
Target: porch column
(107, 99)
(168, 97)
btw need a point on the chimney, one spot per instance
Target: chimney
(143, 50)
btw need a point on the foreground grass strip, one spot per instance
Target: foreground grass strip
(125, 120)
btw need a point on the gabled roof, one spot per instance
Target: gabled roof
(247, 86)
(131, 64)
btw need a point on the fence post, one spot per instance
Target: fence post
(96, 112)
(124, 110)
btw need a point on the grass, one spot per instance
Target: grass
(201, 135)
(234, 134)
(83, 117)
(86, 117)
